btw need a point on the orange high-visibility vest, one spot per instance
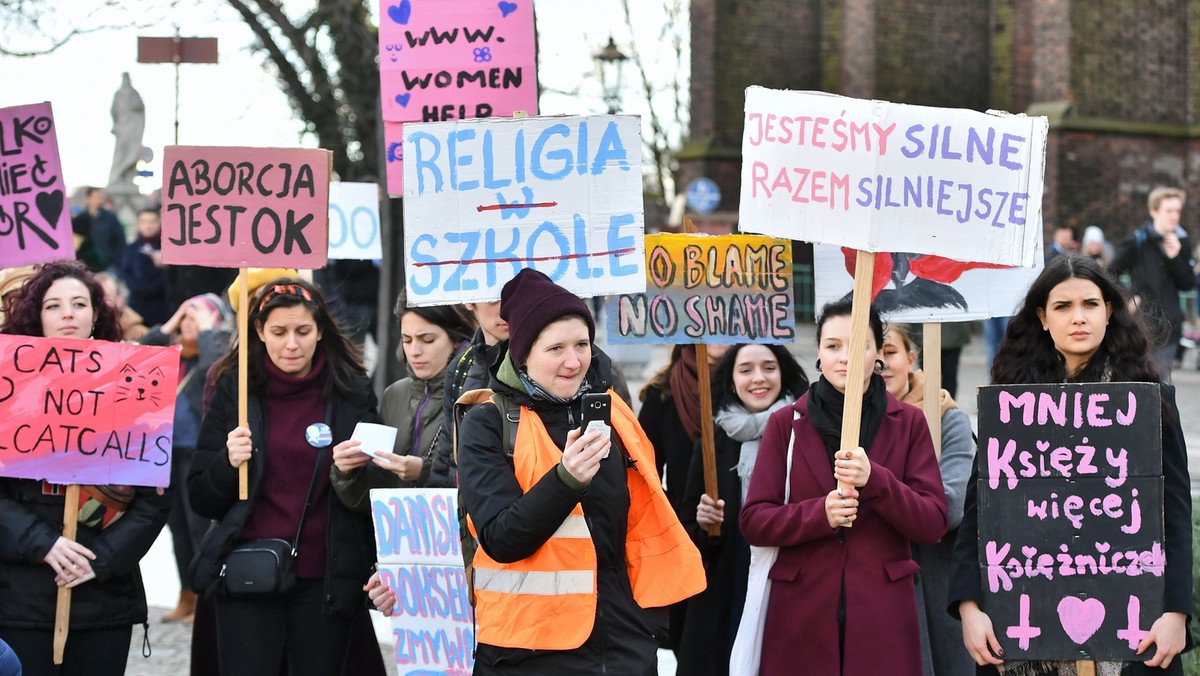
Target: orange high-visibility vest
(548, 600)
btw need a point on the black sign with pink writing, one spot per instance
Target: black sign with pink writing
(1071, 546)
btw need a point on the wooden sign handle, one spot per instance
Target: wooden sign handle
(708, 452)
(932, 349)
(864, 270)
(62, 606)
(1085, 668)
(243, 321)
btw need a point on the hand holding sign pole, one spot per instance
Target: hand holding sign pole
(243, 321)
(62, 606)
(707, 446)
(864, 269)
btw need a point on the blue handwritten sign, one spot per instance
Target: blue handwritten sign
(354, 221)
(485, 198)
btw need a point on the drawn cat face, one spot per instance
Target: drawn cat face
(140, 386)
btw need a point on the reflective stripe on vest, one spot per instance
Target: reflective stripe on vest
(529, 582)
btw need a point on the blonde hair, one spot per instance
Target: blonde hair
(1159, 194)
(902, 331)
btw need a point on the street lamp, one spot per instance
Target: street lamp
(612, 62)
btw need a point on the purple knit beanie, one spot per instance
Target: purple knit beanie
(529, 302)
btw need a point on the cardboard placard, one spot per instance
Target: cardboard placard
(354, 221)
(420, 558)
(453, 60)
(702, 289)
(245, 207)
(87, 411)
(920, 288)
(878, 176)
(485, 198)
(1071, 538)
(35, 223)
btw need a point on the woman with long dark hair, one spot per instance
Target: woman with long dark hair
(749, 383)
(830, 586)
(308, 389)
(1075, 326)
(64, 300)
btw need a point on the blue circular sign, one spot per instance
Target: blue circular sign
(318, 435)
(703, 195)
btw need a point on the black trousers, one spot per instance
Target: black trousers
(187, 527)
(253, 635)
(99, 652)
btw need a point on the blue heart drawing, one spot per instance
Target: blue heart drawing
(400, 13)
(507, 8)
(402, 99)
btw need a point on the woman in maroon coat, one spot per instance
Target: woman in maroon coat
(843, 600)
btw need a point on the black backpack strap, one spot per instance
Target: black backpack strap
(510, 419)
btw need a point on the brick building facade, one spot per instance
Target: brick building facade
(1117, 79)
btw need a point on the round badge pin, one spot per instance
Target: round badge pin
(318, 435)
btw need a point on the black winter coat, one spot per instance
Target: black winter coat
(30, 522)
(469, 369)
(213, 491)
(1156, 279)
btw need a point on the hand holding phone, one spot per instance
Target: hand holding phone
(597, 410)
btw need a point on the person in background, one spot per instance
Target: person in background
(142, 270)
(829, 589)
(201, 327)
(1061, 242)
(107, 233)
(1095, 246)
(1076, 326)
(749, 383)
(413, 405)
(12, 279)
(303, 372)
(577, 540)
(942, 652)
(133, 327)
(117, 524)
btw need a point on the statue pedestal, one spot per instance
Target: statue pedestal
(127, 200)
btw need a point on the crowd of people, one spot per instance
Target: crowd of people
(589, 550)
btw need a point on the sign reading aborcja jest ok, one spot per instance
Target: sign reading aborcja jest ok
(1071, 539)
(878, 176)
(245, 207)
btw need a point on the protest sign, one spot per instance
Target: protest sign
(485, 198)
(35, 224)
(701, 289)
(453, 60)
(354, 221)
(878, 176)
(420, 558)
(86, 411)
(1071, 518)
(245, 207)
(920, 288)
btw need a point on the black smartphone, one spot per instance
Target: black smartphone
(597, 413)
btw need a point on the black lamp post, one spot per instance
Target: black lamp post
(612, 62)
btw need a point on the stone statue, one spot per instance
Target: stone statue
(129, 121)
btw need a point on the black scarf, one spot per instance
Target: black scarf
(825, 409)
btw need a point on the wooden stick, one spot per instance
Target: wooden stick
(1085, 667)
(933, 382)
(62, 608)
(708, 452)
(243, 321)
(864, 270)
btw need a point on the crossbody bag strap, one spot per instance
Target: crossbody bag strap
(787, 481)
(312, 484)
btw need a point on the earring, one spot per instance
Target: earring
(879, 366)
(817, 366)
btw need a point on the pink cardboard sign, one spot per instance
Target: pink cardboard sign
(452, 60)
(86, 411)
(35, 224)
(245, 207)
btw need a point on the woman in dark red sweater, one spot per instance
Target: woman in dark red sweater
(303, 373)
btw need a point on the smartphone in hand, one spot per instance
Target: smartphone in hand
(597, 411)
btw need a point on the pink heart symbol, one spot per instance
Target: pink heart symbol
(1080, 618)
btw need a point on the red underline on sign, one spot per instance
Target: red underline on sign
(497, 207)
(536, 259)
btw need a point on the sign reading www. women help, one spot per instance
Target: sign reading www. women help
(485, 198)
(1071, 539)
(878, 176)
(420, 558)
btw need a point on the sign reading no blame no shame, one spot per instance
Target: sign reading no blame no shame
(485, 198)
(878, 176)
(1071, 539)
(246, 207)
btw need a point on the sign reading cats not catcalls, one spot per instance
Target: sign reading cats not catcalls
(35, 224)
(87, 411)
(420, 558)
(246, 207)
(1071, 534)
(452, 60)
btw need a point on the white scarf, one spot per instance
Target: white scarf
(746, 427)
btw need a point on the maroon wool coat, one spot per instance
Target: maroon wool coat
(903, 502)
